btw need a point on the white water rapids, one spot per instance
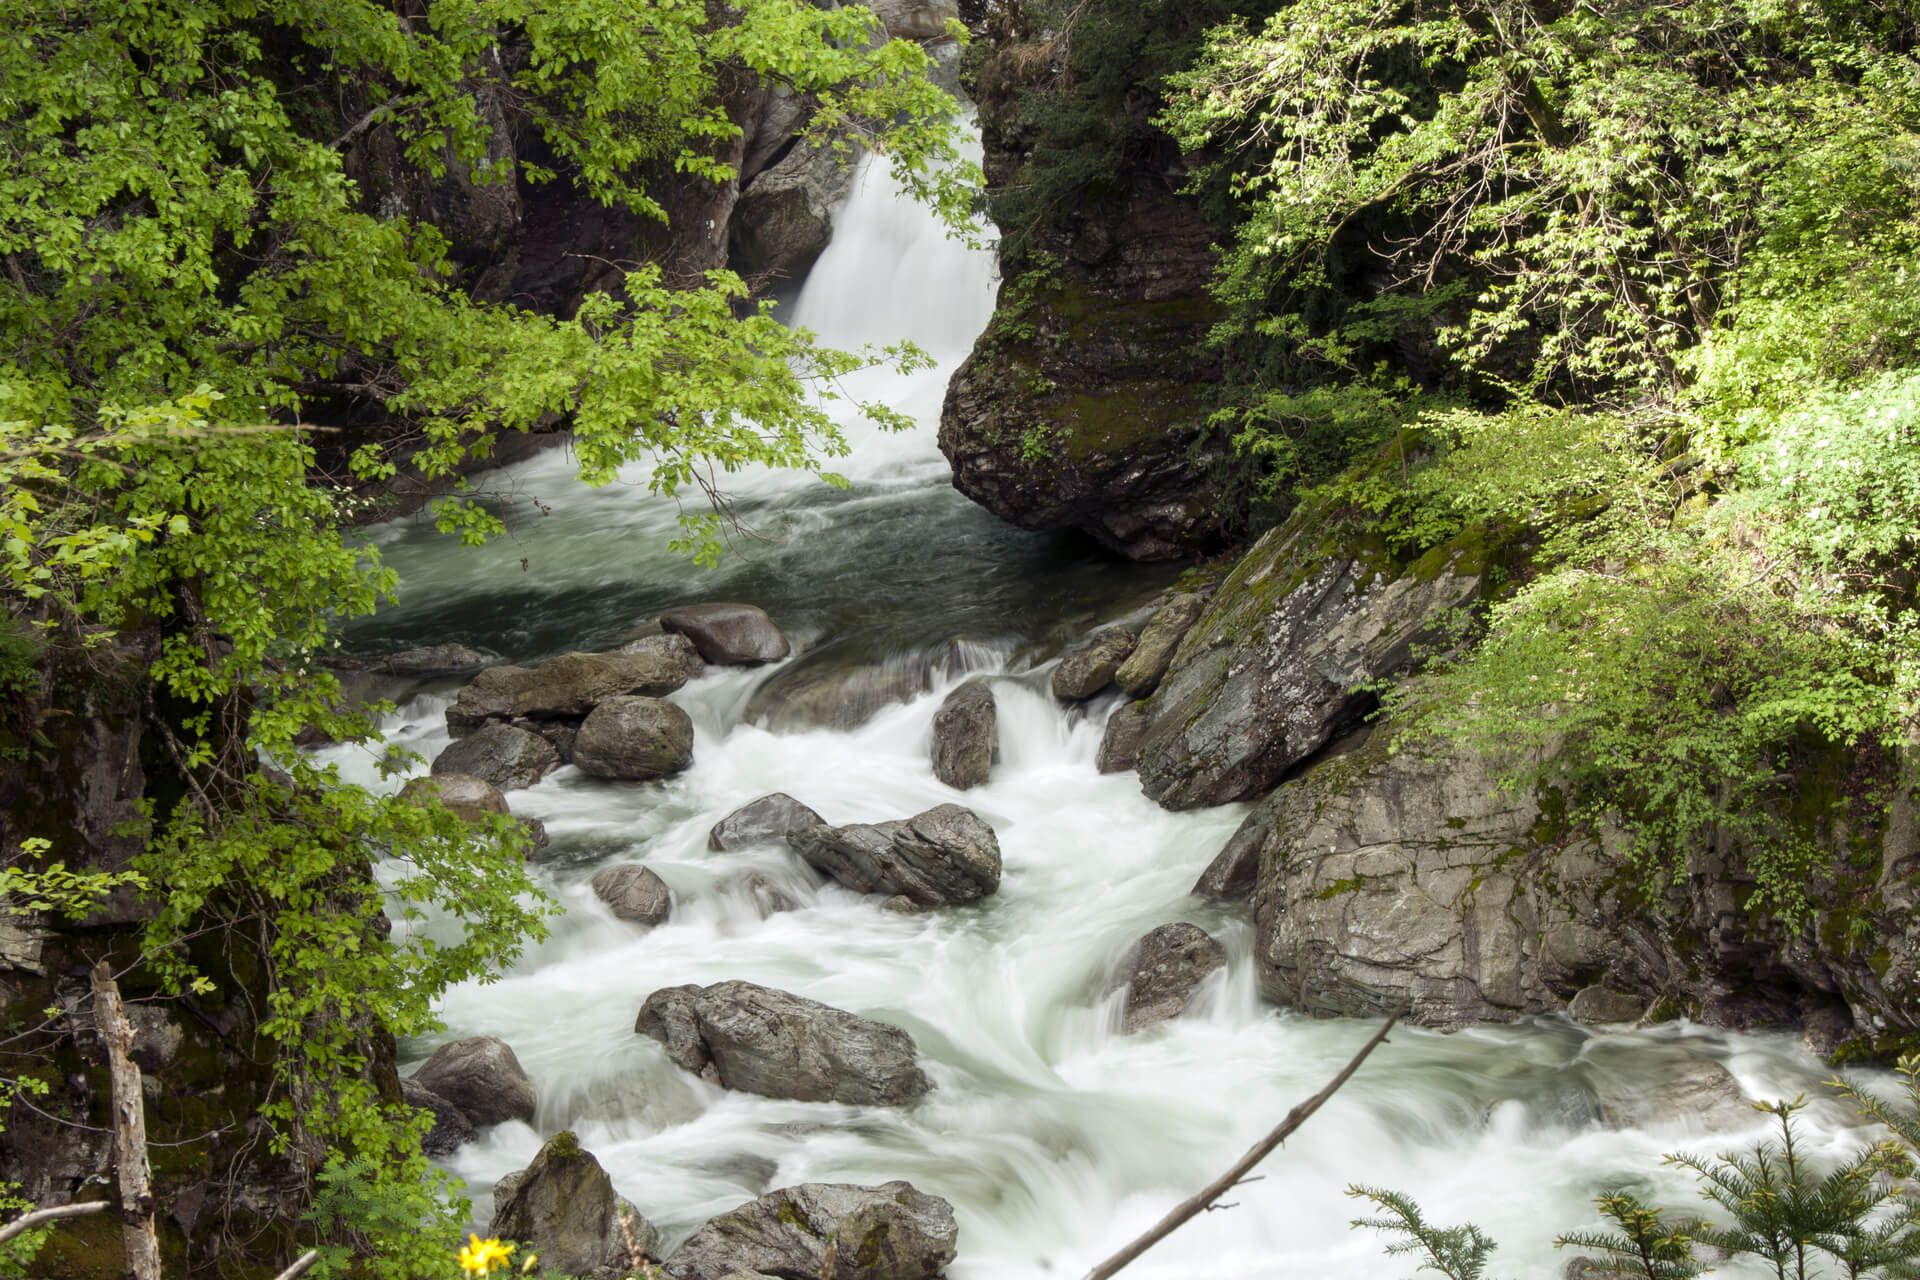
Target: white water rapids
(1056, 1138)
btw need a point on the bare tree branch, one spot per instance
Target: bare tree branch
(28, 1221)
(301, 1265)
(1199, 1202)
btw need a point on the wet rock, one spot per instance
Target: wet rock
(560, 733)
(1231, 875)
(1140, 674)
(944, 856)
(1120, 742)
(488, 696)
(573, 684)
(888, 1232)
(660, 644)
(451, 1128)
(468, 797)
(634, 738)
(732, 635)
(784, 220)
(842, 687)
(964, 736)
(633, 892)
(759, 1040)
(1826, 1029)
(506, 756)
(436, 660)
(1278, 665)
(479, 1075)
(537, 837)
(1691, 1092)
(1089, 667)
(768, 820)
(1164, 969)
(1602, 1006)
(563, 1207)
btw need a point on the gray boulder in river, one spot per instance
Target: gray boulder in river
(451, 1127)
(1090, 666)
(942, 857)
(965, 735)
(888, 1232)
(729, 635)
(503, 754)
(571, 685)
(758, 1040)
(481, 1076)
(633, 738)
(1164, 969)
(1140, 674)
(563, 1207)
(768, 820)
(467, 797)
(633, 892)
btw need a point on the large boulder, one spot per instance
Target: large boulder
(1090, 666)
(729, 635)
(784, 220)
(842, 686)
(1163, 970)
(768, 820)
(486, 697)
(573, 684)
(759, 1040)
(467, 797)
(1281, 662)
(942, 857)
(824, 1231)
(1140, 674)
(916, 19)
(964, 736)
(481, 1076)
(634, 738)
(633, 892)
(451, 1129)
(563, 1207)
(503, 754)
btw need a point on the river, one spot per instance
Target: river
(1055, 1137)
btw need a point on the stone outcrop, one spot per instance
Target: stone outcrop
(1089, 667)
(481, 1076)
(1084, 403)
(759, 1040)
(942, 857)
(965, 736)
(729, 635)
(1163, 970)
(768, 820)
(633, 892)
(785, 216)
(1277, 666)
(888, 1232)
(503, 754)
(635, 739)
(563, 1207)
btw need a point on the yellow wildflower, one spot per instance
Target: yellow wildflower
(483, 1257)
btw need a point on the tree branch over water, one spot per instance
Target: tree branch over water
(1204, 1198)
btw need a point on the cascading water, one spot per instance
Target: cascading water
(1055, 1137)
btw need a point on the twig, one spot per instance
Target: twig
(28, 1221)
(129, 1128)
(1260, 1150)
(301, 1265)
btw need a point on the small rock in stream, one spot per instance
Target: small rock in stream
(729, 635)
(965, 737)
(768, 820)
(1163, 970)
(481, 1076)
(1089, 667)
(634, 739)
(506, 756)
(633, 892)
(888, 1232)
(942, 857)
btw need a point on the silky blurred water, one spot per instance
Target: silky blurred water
(1055, 1137)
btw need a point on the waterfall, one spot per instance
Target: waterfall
(1055, 1137)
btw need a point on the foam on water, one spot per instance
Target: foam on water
(1056, 1138)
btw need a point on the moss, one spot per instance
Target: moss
(872, 1247)
(795, 1219)
(1339, 888)
(1669, 1008)
(564, 1145)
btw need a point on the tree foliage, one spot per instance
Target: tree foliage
(192, 284)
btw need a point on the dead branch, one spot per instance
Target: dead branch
(1198, 1203)
(129, 1128)
(28, 1221)
(301, 1265)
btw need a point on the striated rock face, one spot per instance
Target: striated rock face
(1084, 404)
(1272, 671)
(759, 1040)
(888, 1232)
